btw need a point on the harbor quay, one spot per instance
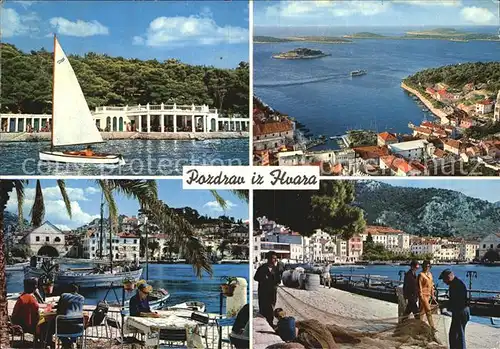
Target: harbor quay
(162, 118)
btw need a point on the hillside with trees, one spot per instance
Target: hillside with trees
(107, 81)
(426, 211)
(458, 75)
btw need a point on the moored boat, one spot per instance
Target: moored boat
(190, 305)
(16, 267)
(87, 277)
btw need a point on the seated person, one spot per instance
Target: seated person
(139, 303)
(286, 326)
(70, 304)
(25, 313)
(240, 332)
(88, 151)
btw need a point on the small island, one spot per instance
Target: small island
(301, 53)
(313, 39)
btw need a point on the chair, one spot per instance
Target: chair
(204, 320)
(76, 328)
(228, 322)
(174, 335)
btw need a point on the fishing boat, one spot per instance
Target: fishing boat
(190, 305)
(89, 277)
(16, 267)
(358, 72)
(72, 122)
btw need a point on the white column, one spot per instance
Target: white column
(193, 119)
(175, 123)
(162, 106)
(148, 122)
(39, 124)
(205, 121)
(8, 124)
(140, 124)
(162, 121)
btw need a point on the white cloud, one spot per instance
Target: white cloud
(25, 4)
(214, 206)
(320, 9)
(197, 30)
(63, 227)
(14, 24)
(79, 28)
(478, 15)
(92, 190)
(55, 210)
(54, 193)
(441, 3)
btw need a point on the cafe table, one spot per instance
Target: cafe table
(151, 327)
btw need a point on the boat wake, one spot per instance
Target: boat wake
(298, 82)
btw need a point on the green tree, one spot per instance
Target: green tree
(329, 208)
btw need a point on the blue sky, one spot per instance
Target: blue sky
(376, 13)
(485, 189)
(85, 200)
(195, 32)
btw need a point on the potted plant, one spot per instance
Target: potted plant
(48, 276)
(228, 285)
(128, 284)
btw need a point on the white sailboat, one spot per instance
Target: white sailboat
(72, 122)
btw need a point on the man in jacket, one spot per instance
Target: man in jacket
(269, 277)
(458, 305)
(410, 291)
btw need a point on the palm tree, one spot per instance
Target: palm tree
(37, 215)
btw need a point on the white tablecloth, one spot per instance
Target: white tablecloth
(148, 325)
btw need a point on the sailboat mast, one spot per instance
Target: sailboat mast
(102, 226)
(53, 90)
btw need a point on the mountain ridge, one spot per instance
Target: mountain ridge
(427, 211)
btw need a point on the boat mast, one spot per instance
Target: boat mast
(102, 226)
(53, 90)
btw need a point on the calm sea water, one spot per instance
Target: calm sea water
(178, 279)
(143, 157)
(321, 94)
(488, 278)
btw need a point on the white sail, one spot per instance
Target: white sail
(72, 121)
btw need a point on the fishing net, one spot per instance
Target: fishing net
(319, 328)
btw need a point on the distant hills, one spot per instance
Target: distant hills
(424, 212)
(431, 34)
(317, 39)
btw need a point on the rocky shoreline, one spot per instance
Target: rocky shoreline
(45, 136)
(438, 112)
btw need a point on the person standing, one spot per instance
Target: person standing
(410, 291)
(458, 305)
(426, 292)
(268, 276)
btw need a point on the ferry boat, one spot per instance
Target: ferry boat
(358, 72)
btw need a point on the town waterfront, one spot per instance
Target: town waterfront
(143, 157)
(487, 277)
(321, 94)
(178, 279)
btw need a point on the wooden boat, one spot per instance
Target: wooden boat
(16, 267)
(87, 277)
(190, 305)
(72, 122)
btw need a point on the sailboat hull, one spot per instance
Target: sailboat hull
(57, 156)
